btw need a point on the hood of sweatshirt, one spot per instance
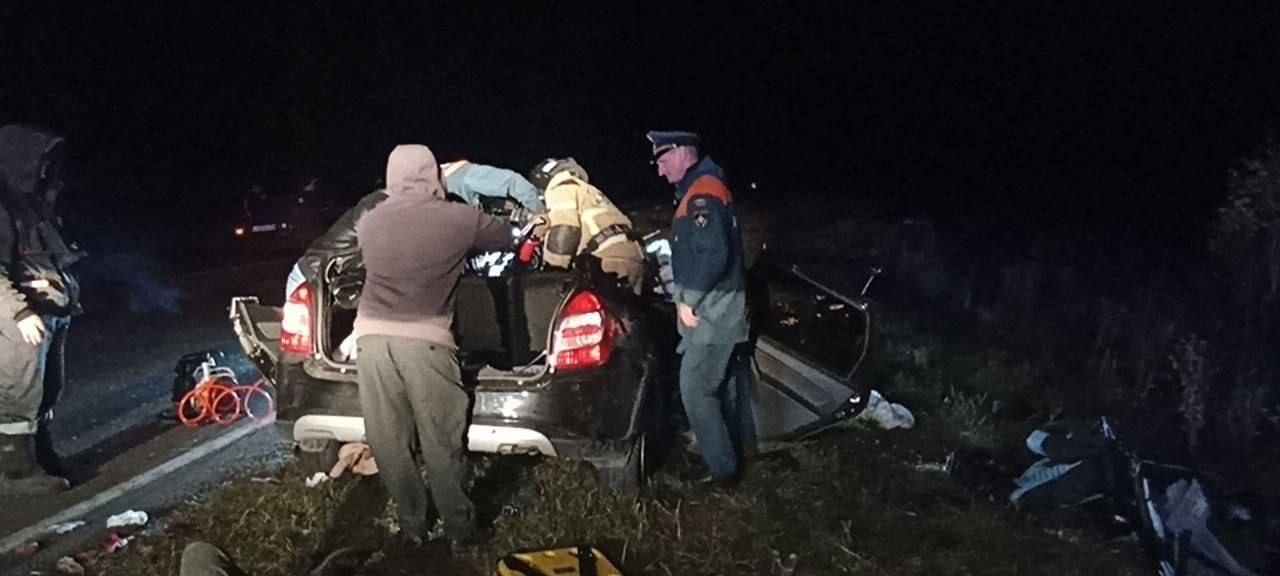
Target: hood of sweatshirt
(412, 171)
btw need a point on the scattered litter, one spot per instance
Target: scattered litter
(437, 530)
(27, 550)
(887, 414)
(942, 467)
(356, 457)
(347, 350)
(317, 479)
(1184, 513)
(1238, 512)
(88, 557)
(1083, 462)
(789, 321)
(947, 466)
(65, 527)
(68, 565)
(509, 510)
(115, 543)
(836, 306)
(264, 480)
(820, 297)
(128, 518)
(782, 567)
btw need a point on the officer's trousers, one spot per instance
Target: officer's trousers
(31, 377)
(715, 387)
(412, 398)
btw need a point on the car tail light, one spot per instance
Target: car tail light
(583, 336)
(295, 323)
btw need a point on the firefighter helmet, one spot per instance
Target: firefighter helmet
(542, 174)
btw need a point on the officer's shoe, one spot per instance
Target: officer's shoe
(721, 483)
(407, 540)
(19, 473)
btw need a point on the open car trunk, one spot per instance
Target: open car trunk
(501, 325)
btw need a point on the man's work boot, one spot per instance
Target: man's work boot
(46, 456)
(341, 562)
(19, 473)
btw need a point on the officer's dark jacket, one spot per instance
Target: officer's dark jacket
(340, 238)
(34, 259)
(706, 257)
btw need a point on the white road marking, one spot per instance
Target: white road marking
(82, 509)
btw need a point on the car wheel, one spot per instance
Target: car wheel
(317, 455)
(624, 473)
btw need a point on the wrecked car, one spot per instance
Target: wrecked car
(558, 363)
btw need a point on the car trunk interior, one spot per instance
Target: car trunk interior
(500, 322)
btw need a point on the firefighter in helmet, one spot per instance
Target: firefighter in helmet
(581, 220)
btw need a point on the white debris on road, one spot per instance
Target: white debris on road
(129, 518)
(66, 527)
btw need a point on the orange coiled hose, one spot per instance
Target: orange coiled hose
(221, 400)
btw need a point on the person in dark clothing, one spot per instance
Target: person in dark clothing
(338, 239)
(38, 297)
(414, 245)
(710, 295)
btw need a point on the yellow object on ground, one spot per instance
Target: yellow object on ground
(580, 561)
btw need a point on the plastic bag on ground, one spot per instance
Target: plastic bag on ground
(887, 414)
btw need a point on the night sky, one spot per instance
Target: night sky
(1063, 124)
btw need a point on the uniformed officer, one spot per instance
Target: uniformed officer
(581, 220)
(710, 297)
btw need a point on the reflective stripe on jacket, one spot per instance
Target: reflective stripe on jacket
(577, 213)
(706, 257)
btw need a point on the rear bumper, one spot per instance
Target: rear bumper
(568, 415)
(480, 437)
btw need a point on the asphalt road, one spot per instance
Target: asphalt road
(114, 424)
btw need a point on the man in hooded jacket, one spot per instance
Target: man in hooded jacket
(414, 245)
(38, 296)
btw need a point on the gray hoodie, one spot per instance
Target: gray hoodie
(414, 244)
